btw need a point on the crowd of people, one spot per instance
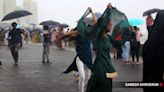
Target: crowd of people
(101, 71)
(130, 46)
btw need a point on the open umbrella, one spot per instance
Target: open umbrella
(16, 14)
(50, 23)
(135, 21)
(89, 20)
(154, 10)
(97, 14)
(64, 25)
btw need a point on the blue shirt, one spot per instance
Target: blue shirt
(15, 35)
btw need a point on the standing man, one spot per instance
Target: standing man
(46, 44)
(15, 40)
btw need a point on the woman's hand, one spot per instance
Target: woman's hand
(109, 5)
(90, 9)
(93, 16)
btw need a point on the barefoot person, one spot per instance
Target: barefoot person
(153, 56)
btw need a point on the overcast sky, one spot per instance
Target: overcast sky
(69, 11)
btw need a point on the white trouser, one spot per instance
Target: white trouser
(126, 51)
(84, 74)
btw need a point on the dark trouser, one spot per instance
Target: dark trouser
(46, 47)
(119, 52)
(14, 51)
(152, 74)
(153, 70)
(135, 51)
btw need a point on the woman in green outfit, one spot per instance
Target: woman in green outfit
(103, 70)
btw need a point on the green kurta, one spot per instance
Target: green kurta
(102, 65)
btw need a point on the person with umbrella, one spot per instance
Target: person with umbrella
(153, 56)
(149, 19)
(46, 44)
(128, 36)
(15, 40)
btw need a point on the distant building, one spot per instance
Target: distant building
(21, 20)
(6, 6)
(1, 9)
(9, 6)
(31, 6)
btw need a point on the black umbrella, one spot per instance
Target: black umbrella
(50, 23)
(97, 14)
(89, 19)
(37, 30)
(16, 14)
(64, 25)
(154, 10)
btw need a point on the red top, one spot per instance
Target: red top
(118, 37)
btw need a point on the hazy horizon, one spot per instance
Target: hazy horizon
(70, 11)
